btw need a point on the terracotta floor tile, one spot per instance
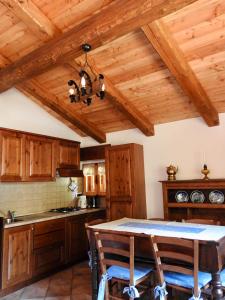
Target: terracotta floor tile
(81, 297)
(59, 287)
(36, 290)
(14, 296)
(58, 298)
(71, 284)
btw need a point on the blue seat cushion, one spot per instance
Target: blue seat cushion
(222, 277)
(187, 281)
(124, 273)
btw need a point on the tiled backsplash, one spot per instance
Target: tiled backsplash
(28, 198)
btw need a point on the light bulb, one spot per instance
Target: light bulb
(103, 87)
(71, 91)
(83, 82)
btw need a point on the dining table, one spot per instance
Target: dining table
(211, 245)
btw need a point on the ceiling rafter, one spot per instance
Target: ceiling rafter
(33, 17)
(162, 40)
(48, 101)
(120, 101)
(107, 25)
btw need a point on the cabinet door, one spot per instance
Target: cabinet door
(69, 154)
(77, 239)
(17, 255)
(40, 159)
(120, 210)
(119, 172)
(48, 258)
(101, 179)
(12, 156)
(90, 179)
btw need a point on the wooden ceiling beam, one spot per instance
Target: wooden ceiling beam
(33, 17)
(34, 90)
(162, 40)
(113, 21)
(119, 101)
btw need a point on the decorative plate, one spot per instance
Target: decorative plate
(216, 197)
(197, 197)
(181, 196)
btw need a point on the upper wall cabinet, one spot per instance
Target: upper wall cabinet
(40, 158)
(12, 156)
(69, 154)
(31, 157)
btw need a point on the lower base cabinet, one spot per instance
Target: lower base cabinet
(45, 247)
(77, 240)
(17, 255)
(49, 246)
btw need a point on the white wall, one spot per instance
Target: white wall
(18, 112)
(187, 144)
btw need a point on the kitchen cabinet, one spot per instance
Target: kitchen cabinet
(69, 154)
(31, 157)
(12, 156)
(17, 255)
(94, 179)
(40, 158)
(77, 239)
(49, 246)
(35, 250)
(125, 182)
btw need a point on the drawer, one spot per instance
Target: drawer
(49, 238)
(49, 226)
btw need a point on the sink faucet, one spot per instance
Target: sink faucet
(11, 215)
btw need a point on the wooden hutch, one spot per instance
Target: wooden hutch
(188, 210)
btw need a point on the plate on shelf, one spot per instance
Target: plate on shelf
(197, 197)
(216, 197)
(181, 196)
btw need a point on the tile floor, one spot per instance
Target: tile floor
(71, 284)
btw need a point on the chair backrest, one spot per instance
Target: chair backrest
(115, 250)
(91, 223)
(203, 221)
(176, 255)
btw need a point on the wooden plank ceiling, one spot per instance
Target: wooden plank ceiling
(163, 60)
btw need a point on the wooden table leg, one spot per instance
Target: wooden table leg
(217, 292)
(94, 272)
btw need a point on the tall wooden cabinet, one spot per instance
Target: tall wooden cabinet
(17, 252)
(125, 182)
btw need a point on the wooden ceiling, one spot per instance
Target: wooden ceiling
(163, 60)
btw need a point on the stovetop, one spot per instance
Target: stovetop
(64, 209)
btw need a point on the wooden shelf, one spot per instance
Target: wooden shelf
(188, 210)
(197, 205)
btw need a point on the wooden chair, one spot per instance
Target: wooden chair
(177, 264)
(92, 223)
(202, 221)
(121, 267)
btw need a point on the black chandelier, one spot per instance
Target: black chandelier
(84, 90)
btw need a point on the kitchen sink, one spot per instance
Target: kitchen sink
(9, 221)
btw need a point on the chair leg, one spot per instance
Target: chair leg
(107, 291)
